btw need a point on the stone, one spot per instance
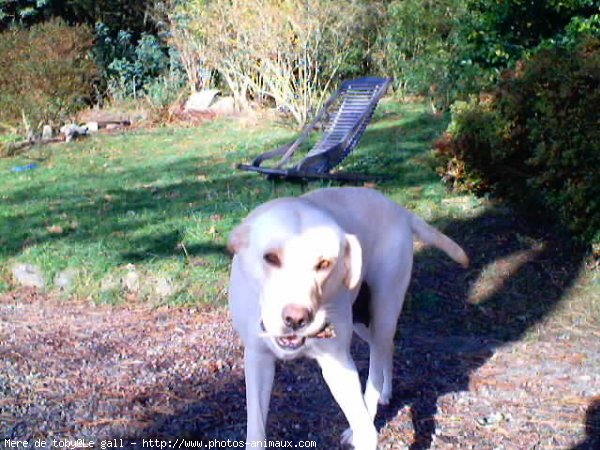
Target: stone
(92, 127)
(131, 280)
(28, 275)
(202, 100)
(72, 131)
(46, 132)
(109, 283)
(224, 106)
(64, 280)
(163, 287)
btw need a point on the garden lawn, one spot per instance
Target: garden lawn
(155, 206)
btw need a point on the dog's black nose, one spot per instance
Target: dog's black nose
(296, 316)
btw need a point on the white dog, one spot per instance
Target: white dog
(301, 268)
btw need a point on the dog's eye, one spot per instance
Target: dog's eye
(272, 259)
(324, 264)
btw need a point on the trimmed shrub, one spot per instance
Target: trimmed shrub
(536, 139)
(46, 73)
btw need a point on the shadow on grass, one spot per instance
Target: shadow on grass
(442, 339)
(157, 211)
(145, 210)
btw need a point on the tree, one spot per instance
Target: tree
(133, 16)
(284, 51)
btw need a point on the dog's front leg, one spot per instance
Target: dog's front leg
(259, 368)
(340, 374)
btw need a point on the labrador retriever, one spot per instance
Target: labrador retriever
(306, 273)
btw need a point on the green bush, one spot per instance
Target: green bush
(46, 73)
(416, 45)
(450, 49)
(536, 139)
(130, 69)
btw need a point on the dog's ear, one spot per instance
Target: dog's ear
(238, 239)
(353, 261)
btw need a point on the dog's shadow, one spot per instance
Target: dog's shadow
(453, 321)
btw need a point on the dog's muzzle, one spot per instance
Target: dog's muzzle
(294, 342)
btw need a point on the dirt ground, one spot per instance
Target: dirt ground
(72, 371)
(485, 359)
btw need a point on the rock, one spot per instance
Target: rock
(47, 132)
(109, 283)
(72, 131)
(224, 106)
(131, 281)
(92, 127)
(64, 280)
(201, 101)
(493, 419)
(28, 275)
(163, 287)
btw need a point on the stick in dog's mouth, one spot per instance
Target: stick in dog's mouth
(327, 332)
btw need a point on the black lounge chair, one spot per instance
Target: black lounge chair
(350, 110)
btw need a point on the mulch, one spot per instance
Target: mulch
(74, 370)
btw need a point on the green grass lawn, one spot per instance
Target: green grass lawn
(165, 200)
(162, 202)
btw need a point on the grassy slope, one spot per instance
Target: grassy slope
(165, 200)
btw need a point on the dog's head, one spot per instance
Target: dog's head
(300, 258)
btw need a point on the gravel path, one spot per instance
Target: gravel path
(71, 370)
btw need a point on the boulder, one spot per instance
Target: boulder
(28, 275)
(131, 280)
(92, 127)
(72, 131)
(64, 280)
(202, 100)
(223, 106)
(46, 132)
(163, 287)
(109, 283)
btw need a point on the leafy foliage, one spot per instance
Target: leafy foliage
(55, 73)
(537, 138)
(451, 49)
(117, 14)
(417, 44)
(127, 66)
(495, 35)
(21, 11)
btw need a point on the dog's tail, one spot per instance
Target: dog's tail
(432, 236)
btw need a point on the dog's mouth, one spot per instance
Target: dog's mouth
(292, 342)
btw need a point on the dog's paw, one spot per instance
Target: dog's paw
(384, 399)
(363, 441)
(346, 440)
